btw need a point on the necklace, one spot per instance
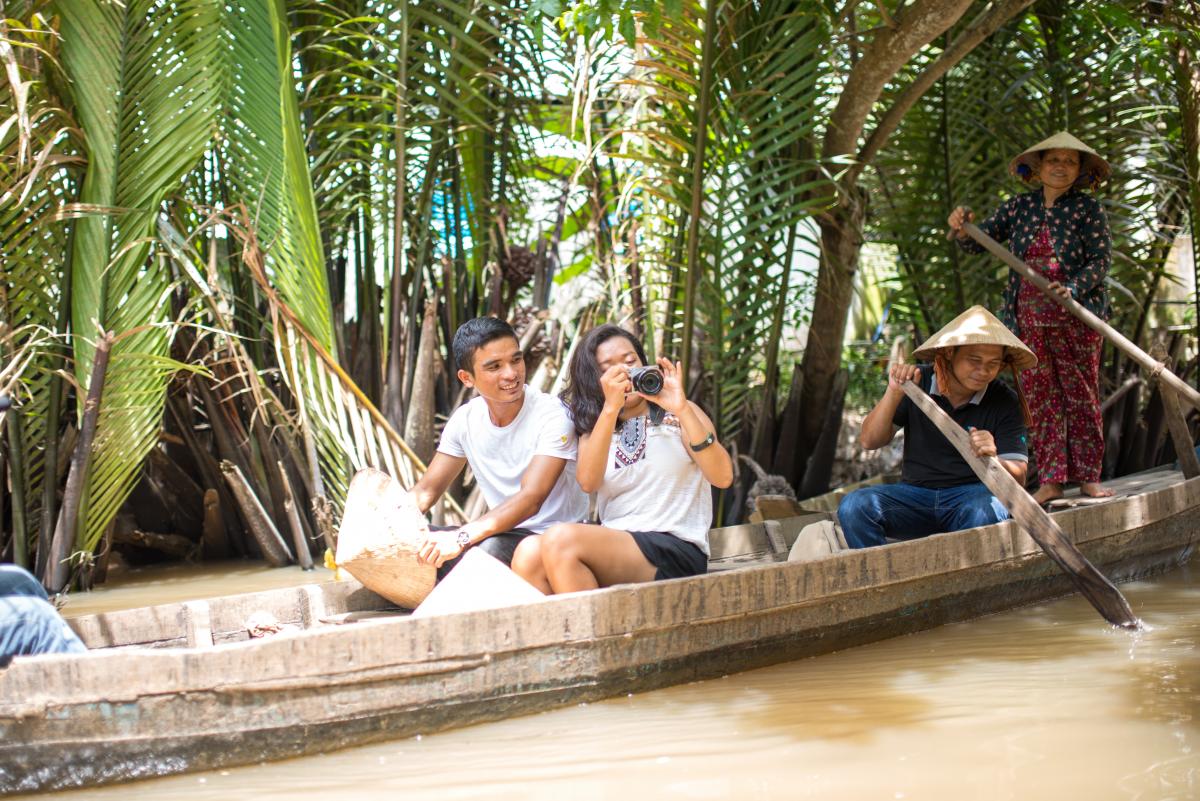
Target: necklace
(631, 442)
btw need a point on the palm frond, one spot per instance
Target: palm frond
(38, 168)
(348, 430)
(264, 160)
(146, 90)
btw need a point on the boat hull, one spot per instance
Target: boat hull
(127, 714)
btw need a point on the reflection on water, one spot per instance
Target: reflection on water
(1045, 702)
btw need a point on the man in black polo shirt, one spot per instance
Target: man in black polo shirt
(937, 490)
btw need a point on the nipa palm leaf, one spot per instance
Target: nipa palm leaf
(348, 430)
(145, 85)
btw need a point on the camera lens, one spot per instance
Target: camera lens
(647, 380)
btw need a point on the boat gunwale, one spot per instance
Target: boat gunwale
(213, 723)
(1022, 546)
(591, 609)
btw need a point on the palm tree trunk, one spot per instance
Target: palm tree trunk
(708, 55)
(19, 482)
(841, 242)
(392, 397)
(1187, 82)
(419, 422)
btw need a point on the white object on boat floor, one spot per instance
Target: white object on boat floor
(478, 581)
(816, 541)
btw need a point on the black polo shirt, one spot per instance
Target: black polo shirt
(930, 460)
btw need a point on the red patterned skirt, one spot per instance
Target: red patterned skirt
(1063, 391)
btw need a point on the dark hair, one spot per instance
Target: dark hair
(583, 395)
(473, 335)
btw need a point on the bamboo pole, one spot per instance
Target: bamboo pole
(1099, 591)
(274, 549)
(1185, 448)
(1157, 369)
(56, 574)
(303, 555)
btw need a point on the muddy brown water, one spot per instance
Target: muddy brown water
(1044, 702)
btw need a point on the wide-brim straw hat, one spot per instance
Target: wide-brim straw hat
(978, 326)
(1093, 169)
(381, 532)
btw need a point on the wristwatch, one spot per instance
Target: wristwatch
(463, 538)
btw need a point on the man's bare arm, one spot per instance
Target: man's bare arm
(1016, 468)
(877, 428)
(984, 444)
(440, 473)
(536, 485)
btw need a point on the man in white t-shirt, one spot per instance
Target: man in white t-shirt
(519, 443)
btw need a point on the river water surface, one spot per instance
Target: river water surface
(1045, 702)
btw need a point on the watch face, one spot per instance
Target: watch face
(464, 539)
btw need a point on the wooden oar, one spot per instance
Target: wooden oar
(1131, 350)
(1099, 591)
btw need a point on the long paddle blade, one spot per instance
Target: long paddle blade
(1099, 591)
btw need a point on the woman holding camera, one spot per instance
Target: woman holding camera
(650, 456)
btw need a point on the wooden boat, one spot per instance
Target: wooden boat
(183, 687)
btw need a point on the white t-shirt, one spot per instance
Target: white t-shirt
(499, 455)
(652, 484)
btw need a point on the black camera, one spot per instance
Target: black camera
(646, 380)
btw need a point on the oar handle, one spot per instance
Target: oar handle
(1089, 319)
(1099, 591)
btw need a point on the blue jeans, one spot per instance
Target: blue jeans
(906, 512)
(28, 623)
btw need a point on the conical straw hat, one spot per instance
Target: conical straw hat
(1092, 168)
(379, 537)
(977, 326)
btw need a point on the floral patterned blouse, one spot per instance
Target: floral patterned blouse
(1080, 237)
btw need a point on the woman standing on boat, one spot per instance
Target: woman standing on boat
(1061, 232)
(649, 457)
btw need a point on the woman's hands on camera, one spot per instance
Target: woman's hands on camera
(616, 386)
(672, 398)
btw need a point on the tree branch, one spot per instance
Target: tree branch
(968, 39)
(914, 26)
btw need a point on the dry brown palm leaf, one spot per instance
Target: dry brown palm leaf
(344, 423)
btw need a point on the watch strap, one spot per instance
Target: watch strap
(704, 443)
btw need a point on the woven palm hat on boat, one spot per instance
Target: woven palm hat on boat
(1093, 169)
(381, 532)
(978, 326)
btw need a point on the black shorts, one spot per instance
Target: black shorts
(502, 546)
(671, 556)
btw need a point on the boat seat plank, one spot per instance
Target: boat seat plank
(198, 623)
